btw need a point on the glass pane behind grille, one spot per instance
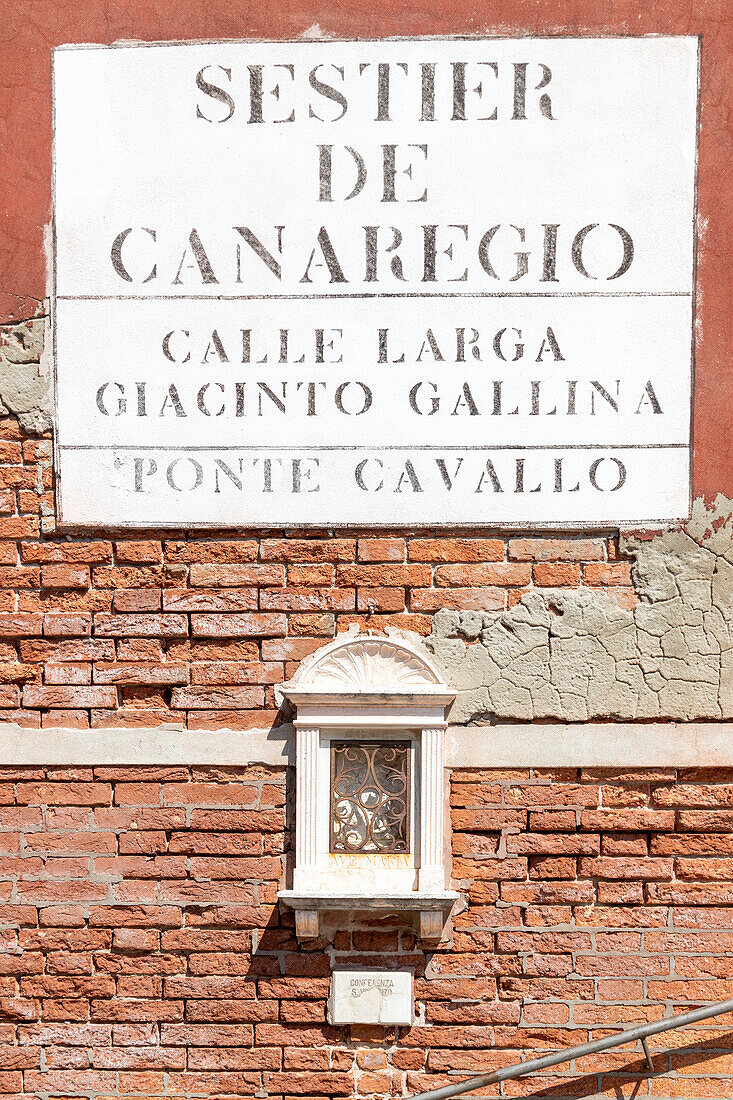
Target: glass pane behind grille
(370, 796)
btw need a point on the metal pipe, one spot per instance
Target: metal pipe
(521, 1068)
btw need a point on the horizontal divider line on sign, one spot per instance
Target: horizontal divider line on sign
(375, 294)
(375, 447)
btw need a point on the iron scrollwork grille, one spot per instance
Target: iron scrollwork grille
(370, 797)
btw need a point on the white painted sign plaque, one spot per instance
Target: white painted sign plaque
(405, 282)
(371, 997)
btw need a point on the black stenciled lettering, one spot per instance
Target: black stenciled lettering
(215, 92)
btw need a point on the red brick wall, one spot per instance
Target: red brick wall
(142, 951)
(158, 627)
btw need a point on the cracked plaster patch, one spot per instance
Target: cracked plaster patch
(25, 388)
(577, 655)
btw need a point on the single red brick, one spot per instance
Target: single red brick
(140, 673)
(551, 820)
(31, 502)
(9, 695)
(230, 719)
(307, 599)
(69, 719)
(215, 794)
(84, 552)
(545, 893)
(556, 794)
(141, 866)
(236, 575)
(507, 573)
(582, 844)
(11, 451)
(65, 576)
(57, 625)
(706, 821)
(387, 575)
(380, 599)
(18, 477)
(77, 650)
(62, 916)
(325, 625)
(135, 916)
(307, 550)
(90, 840)
(455, 550)
(138, 576)
(136, 599)
(23, 576)
(381, 549)
(147, 1010)
(26, 718)
(475, 844)
(556, 574)
(11, 672)
(702, 795)
(480, 599)
(236, 672)
(603, 574)
(479, 819)
(206, 550)
(19, 527)
(126, 716)
(556, 549)
(206, 1035)
(37, 450)
(164, 626)
(620, 893)
(20, 625)
(491, 870)
(139, 552)
(549, 867)
(316, 575)
(289, 649)
(627, 820)
(628, 844)
(701, 870)
(64, 794)
(234, 626)
(226, 649)
(239, 868)
(69, 696)
(621, 868)
(214, 698)
(201, 599)
(142, 649)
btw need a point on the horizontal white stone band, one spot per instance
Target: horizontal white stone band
(155, 745)
(623, 744)
(592, 744)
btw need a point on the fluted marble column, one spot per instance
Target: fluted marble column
(306, 806)
(432, 809)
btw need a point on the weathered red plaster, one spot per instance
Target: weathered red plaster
(31, 27)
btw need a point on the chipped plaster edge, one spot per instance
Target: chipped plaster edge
(530, 745)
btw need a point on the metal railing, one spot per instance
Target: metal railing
(643, 1031)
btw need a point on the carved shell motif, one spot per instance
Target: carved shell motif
(373, 663)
